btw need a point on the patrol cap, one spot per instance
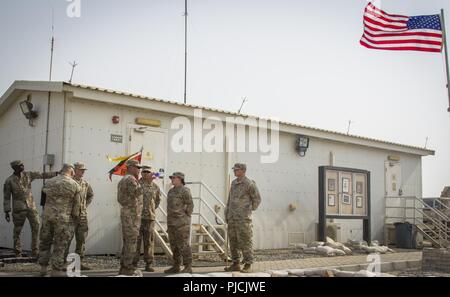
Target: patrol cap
(133, 163)
(16, 163)
(177, 174)
(79, 166)
(66, 167)
(146, 169)
(240, 166)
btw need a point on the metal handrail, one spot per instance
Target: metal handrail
(438, 200)
(209, 190)
(440, 214)
(199, 214)
(439, 223)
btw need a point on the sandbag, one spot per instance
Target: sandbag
(316, 244)
(180, 275)
(338, 252)
(296, 272)
(347, 250)
(365, 273)
(278, 273)
(325, 250)
(310, 250)
(255, 274)
(344, 273)
(300, 245)
(220, 274)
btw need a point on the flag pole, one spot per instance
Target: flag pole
(446, 56)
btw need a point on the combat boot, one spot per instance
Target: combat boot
(173, 269)
(58, 273)
(43, 272)
(149, 268)
(247, 268)
(234, 267)
(187, 269)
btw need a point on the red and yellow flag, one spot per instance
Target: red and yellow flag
(121, 167)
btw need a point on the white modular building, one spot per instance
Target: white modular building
(66, 123)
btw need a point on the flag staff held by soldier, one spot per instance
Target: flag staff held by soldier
(17, 190)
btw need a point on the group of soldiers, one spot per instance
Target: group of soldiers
(68, 196)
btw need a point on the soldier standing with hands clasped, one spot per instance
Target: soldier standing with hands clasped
(179, 211)
(242, 200)
(129, 196)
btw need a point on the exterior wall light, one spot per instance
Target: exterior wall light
(27, 110)
(302, 145)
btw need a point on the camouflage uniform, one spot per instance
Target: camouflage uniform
(61, 208)
(146, 233)
(179, 210)
(23, 206)
(242, 200)
(129, 195)
(81, 224)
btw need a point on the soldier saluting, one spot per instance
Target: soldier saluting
(129, 195)
(146, 233)
(179, 211)
(242, 200)
(18, 186)
(81, 224)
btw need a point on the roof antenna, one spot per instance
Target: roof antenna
(74, 64)
(185, 47)
(426, 143)
(52, 44)
(244, 99)
(348, 128)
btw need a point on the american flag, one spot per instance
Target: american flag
(386, 31)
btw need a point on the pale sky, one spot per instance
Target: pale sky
(297, 60)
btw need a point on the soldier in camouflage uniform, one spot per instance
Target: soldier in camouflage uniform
(242, 200)
(81, 224)
(179, 210)
(18, 186)
(60, 210)
(146, 232)
(129, 196)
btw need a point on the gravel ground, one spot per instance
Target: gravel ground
(419, 273)
(112, 262)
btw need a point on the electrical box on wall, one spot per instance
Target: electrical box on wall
(49, 159)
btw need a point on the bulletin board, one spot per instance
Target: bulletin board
(344, 193)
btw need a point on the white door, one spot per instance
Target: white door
(393, 178)
(153, 141)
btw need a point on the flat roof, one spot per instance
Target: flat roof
(79, 91)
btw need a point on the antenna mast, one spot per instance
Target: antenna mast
(52, 45)
(185, 47)
(74, 64)
(242, 104)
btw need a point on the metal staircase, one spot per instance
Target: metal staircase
(206, 237)
(431, 219)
